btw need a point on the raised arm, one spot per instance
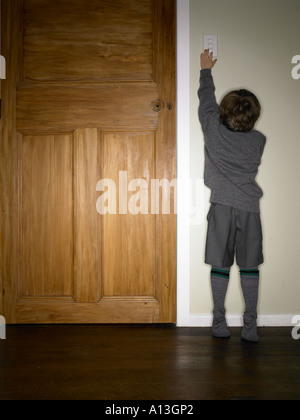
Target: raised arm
(208, 105)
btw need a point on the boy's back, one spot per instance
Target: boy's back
(232, 158)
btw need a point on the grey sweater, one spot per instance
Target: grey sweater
(232, 158)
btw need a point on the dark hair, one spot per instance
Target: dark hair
(240, 110)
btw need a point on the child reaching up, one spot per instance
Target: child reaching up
(233, 152)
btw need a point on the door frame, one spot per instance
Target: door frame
(183, 163)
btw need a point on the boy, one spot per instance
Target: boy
(233, 151)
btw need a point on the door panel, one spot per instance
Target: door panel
(79, 107)
(68, 106)
(111, 40)
(46, 228)
(129, 239)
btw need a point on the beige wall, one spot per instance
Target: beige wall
(257, 41)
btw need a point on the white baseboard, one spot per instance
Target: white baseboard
(205, 320)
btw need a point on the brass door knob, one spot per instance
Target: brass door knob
(157, 105)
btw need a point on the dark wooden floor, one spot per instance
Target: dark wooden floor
(146, 363)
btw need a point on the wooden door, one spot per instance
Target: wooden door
(89, 97)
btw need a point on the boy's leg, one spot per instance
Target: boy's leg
(249, 245)
(219, 284)
(250, 287)
(220, 255)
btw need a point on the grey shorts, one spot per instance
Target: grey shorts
(233, 232)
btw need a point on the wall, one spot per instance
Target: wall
(257, 41)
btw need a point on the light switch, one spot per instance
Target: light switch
(211, 44)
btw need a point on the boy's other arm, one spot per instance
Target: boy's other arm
(208, 104)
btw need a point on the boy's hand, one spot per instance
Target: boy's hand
(207, 61)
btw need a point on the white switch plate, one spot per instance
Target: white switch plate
(211, 44)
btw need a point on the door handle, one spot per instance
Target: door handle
(157, 105)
